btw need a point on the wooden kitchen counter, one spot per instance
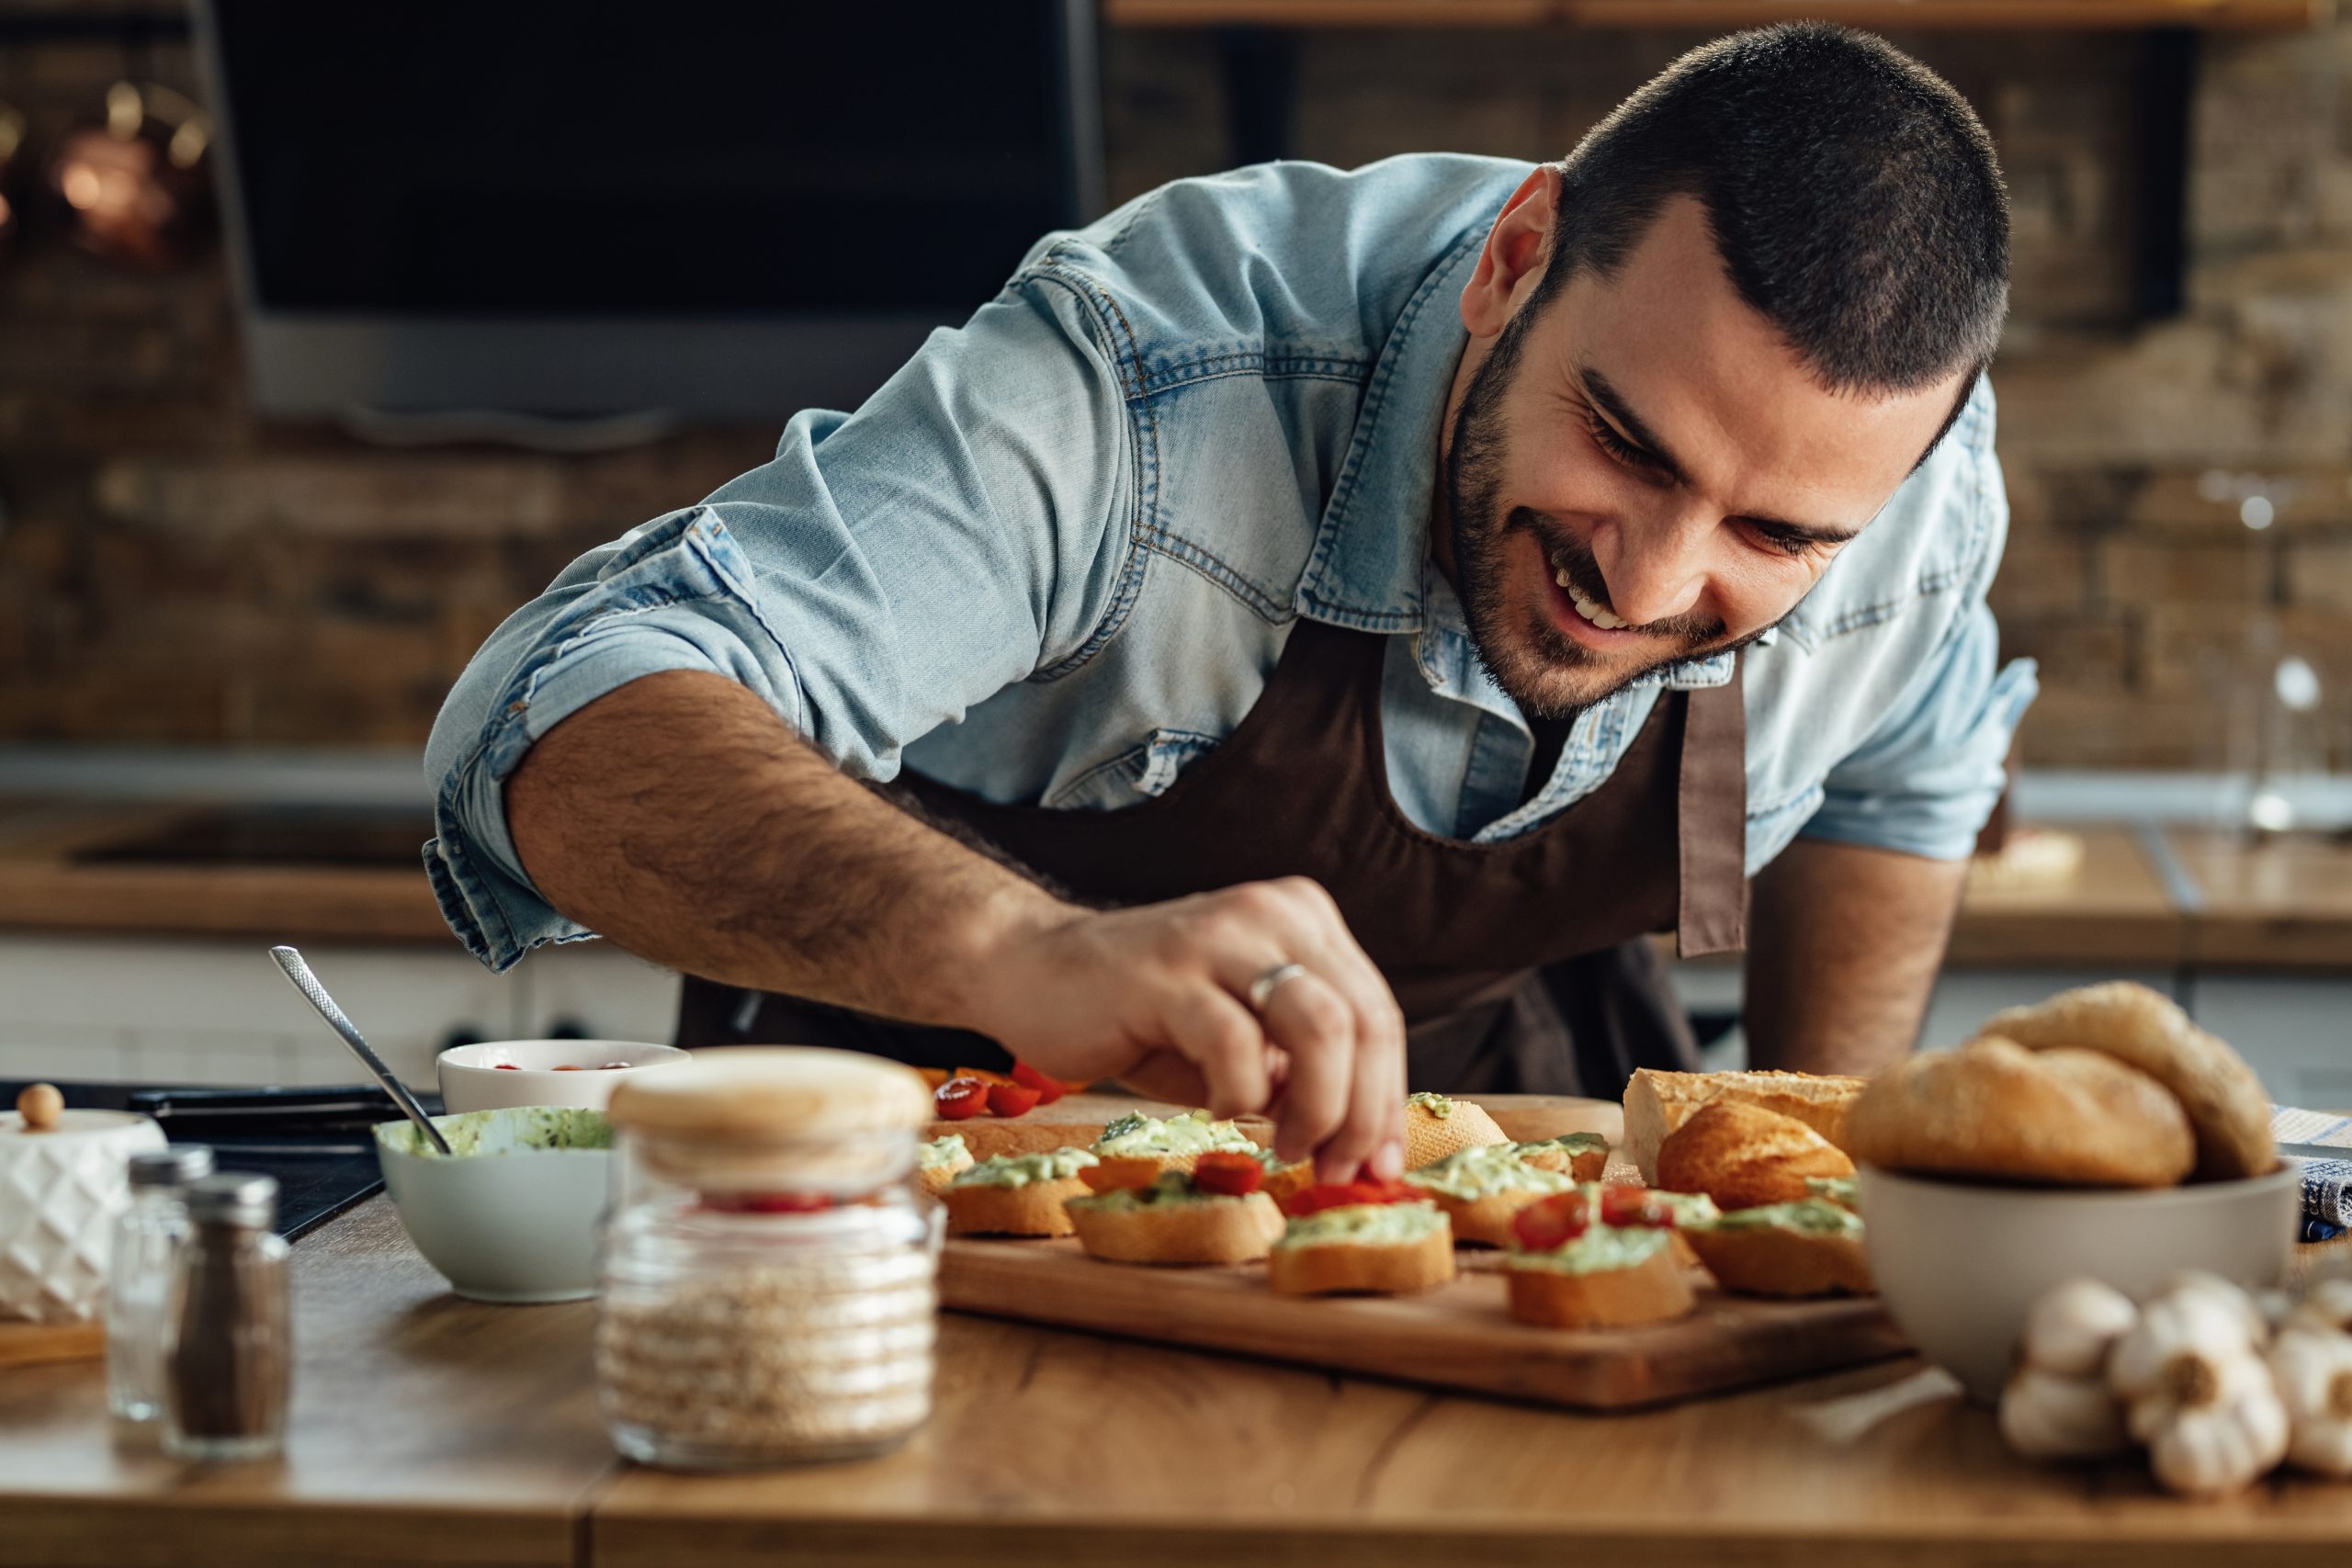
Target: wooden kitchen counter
(432, 1430)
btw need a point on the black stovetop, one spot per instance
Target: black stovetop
(315, 1141)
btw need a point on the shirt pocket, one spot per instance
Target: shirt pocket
(1137, 773)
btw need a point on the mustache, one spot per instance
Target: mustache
(1564, 552)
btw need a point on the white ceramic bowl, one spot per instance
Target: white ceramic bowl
(471, 1080)
(508, 1221)
(1959, 1263)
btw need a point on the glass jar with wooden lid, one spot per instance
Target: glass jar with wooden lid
(770, 1271)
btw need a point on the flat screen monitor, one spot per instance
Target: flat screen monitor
(593, 208)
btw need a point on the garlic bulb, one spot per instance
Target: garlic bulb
(2227, 1292)
(2312, 1367)
(2073, 1326)
(2047, 1414)
(2328, 1304)
(2197, 1393)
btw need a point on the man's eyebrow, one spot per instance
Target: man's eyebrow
(1612, 403)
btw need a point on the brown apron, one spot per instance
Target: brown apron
(1521, 966)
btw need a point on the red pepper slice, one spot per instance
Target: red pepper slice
(1635, 1206)
(1346, 1194)
(1228, 1174)
(1552, 1222)
(767, 1203)
(1049, 1090)
(1011, 1099)
(959, 1100)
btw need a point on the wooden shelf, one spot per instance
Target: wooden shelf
(2017, 15)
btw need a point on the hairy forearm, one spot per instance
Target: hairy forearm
(683, 819)
(1844, 944)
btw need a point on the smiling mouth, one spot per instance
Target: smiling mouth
(1593, 610)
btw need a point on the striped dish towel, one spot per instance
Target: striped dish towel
(2327, 1183)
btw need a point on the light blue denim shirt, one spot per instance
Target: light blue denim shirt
(1055, 558)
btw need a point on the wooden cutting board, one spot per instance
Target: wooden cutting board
(1460, 1337)
(1457, 1337)
(37, 1344)
(1079, 1120)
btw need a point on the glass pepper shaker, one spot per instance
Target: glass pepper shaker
(229, 1349)
(141, 1253)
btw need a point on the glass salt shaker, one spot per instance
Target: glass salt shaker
(769, 1269)
(139, 1257)
(229, 1350)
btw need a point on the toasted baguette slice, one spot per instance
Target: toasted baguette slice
(1654, 1290)
(1219, 1230)
(1587, 1165)
(1656, 1103)
(1745, 1156)
(934, 1181)
(1485, 1222)
(1772, 1261)
(1429, 1137)
(1352, 1269)
(1033, 1209)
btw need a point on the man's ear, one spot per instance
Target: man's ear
(1516, 251)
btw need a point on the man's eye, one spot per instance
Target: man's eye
(1616, 445)
(1792, 544)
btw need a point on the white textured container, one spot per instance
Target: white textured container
(60, 1190)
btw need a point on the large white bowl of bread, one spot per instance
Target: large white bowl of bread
(2100, 1135)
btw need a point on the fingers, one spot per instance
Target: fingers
(1224, 1043)
(1371, 1125)
(1314, 1026)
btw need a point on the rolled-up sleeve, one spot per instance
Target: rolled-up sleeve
(1926, 778)
(883, 572)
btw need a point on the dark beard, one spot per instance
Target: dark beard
(1473, 490)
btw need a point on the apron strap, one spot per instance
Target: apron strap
(1712, 819)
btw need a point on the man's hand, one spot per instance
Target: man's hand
(681, 819)
(1154, 996)
(1843, 946)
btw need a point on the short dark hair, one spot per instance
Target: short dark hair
(1854, 196)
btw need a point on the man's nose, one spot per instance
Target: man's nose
(1661, 567)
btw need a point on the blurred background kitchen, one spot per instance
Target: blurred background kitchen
(328, 335)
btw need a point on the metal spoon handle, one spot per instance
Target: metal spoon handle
(316, 995)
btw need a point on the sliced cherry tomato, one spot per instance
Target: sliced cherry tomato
(961, 1099)
(1049, 1090)
(1552, 1222)
(1228, 1174)
(767, 1203)
(1119, 1171)
(1011, 1099)
(1347, 1194)
(506, 1067)
(984, 1074)
(1635, 1206)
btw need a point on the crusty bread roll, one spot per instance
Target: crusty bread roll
(1745, 1156)
(2228, 1110)
(1223, 1230)
(1994, 1109)
(1654, 1290)
(1429, 1137)
(1034, 1208)
(1773, 1262)
(1351, 1268)
(1656, 1103)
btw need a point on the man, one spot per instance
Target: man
(1306, 606)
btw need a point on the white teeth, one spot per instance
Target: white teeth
(1587, 609)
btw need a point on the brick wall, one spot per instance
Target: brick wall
(172, 570)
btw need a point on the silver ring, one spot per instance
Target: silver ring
(1262, 989)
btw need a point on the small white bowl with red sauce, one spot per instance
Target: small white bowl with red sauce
(497, 1074)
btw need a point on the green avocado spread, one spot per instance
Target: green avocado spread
(1839, 1189)
(1436, 1105)
(1470, 1174)
(1364, 1225)
(1600, 1251)
(1191, 1133)
(1172, 1188)
(510, 1130)
(1019, 1170)
(947, 1149)
(1809, 1216)
(1573, 1143)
